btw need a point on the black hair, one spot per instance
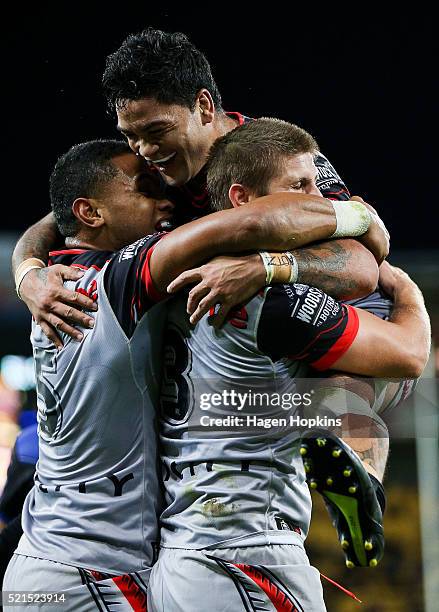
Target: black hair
(81, 173)
(161, 65)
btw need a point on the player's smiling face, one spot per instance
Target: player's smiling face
(171, 136)
(133, 201)
(297, 174)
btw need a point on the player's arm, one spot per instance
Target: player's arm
(398, 347)
(37, 241)
(128, 283)
(343, 268)
(306, 324)
(42, 290)
(279, 221)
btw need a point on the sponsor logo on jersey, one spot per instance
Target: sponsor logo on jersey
(309, 306)
(300, 289)
(131, 250)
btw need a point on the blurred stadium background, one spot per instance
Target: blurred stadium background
(349, 80)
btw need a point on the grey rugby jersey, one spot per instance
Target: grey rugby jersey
(235, 486)
(97, 496)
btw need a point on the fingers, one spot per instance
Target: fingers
(56, 276)
(387, 278)
(70, 314)
(203, 307)
(78, 300)
(220, 316)
(380, 222)
(67, 272)
(51, 334)
(55, 308)
(195, 296)
(222, 308)
(62, 326)
(54, 324)
(185, 278)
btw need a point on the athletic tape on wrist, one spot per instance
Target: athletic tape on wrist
(352, 218)
(279, 267)
(269, 269)
(32, 263)
(294, 267)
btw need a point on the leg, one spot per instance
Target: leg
(76, 588)
(233, 579)
(347, 480)
(354, 400)
(356, 507)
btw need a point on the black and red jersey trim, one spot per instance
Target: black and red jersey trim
(83, 259)
(67, 252)
(342, 344)
(127, 279)
(152, 292)
(303, 323)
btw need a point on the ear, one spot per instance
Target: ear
(205, 106)
(239, 195)
(88, 212)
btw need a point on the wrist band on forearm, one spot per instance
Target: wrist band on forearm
(352, 218)
(279, 267)
(294, 274)
(32, 263)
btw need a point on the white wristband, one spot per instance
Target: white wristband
(294, 267)
(280, 267)
(269, 270)
(353, 219)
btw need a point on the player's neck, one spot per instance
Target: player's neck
(96, 243)
(225, 124)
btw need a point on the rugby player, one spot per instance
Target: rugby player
(237, 508)
(238, 171)
(169, 108)
(90, 521)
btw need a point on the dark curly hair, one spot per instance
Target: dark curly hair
(161, 65)
(81, 173)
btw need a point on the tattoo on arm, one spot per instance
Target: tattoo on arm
(43, 274)
(327, 266)
(37, 241)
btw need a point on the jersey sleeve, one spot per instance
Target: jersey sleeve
(303, 323)
(128, 282)
(329, 181)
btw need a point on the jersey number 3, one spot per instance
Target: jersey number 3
(177, 390)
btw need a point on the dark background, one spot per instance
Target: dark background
(361, 83)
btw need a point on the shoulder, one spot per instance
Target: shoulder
(80, 258)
